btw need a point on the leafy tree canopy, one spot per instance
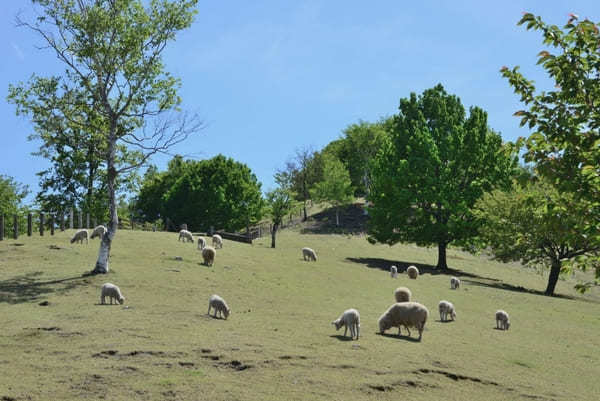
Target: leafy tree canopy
(336, 187)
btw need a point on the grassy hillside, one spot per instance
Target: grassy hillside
(279, 344)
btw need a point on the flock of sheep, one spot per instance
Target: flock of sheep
(402, 313)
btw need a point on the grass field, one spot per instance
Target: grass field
(279, 343)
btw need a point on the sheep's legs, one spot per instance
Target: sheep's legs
(346, 331)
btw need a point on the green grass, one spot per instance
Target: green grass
(278, 344)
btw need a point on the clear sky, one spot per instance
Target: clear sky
(271, 76)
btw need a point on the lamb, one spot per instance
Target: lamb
(186, 235)
(393, 271)
(412, 272)
(402, 294)
(454, 283)
(208, 254)
(349, 319)
(80, 236)
(502, 320)
(217, 241)
(309, 253)
(407, 314)
(111, 291)
(219, 305)
(99, 232)
(201, 243)
(446, 308)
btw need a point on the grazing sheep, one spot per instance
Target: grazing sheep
(309, 253)
(393, 271)
(186, 235)
(412, 272)
(80, 236)
(217, 241)
(99, 232)
(502, 320)
(454, 283)
(402, 294)
(111, 291)
(208, 254)
(219, 305)
(407, 314)
(349, 319)
(446, 308)
(201, 243)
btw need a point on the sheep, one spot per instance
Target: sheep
(446, 308)
(186, 235)
(502, 320)
(393, 271)
(208, 254)
(454, 283)
(407, 314)
(219, 305)
(201, 243)
(99, 232)
(402, 294)
(309, 253)
(79, 236)
(412, 272)
(217, 241)
(349, 319)
(111, 291)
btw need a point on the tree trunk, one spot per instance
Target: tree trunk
(553, 279)
(113, 221)
(337, 217)
(441, 264)
(305, 215)
(273, 233)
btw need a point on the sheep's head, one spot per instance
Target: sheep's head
(337, 323)
(383, 324)
(453, 315)
(122, 300)
(507, 324)
(226, 312)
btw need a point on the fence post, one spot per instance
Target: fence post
(41, 224)
(132, 222)
(29, 225)
(80, 220)
(62, 222)
(94, 222)
(1, 227)
(51, 224)
(15, 226)
(71, 219)
(87, 220)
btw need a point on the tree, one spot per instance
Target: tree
(218, 192)
(538, 225)
(279, 203)
(336, 187)
(565, 120)
(11, 195)
(303, 171)
(114, 80)
(436, 164)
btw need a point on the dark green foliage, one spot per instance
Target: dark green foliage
(336, 187)
(279, 203)
(432, 169)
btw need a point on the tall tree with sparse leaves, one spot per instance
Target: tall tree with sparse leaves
(279, 203)
(336, 187)
(436, 164)
(114, 75)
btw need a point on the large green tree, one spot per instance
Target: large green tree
(280, 202)
(12, 194)
(537, 225)
(336, 187)
(114, 78)
(437, 163)
(566, 117)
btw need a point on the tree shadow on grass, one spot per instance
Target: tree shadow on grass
(27, 287)
(517, 288)
(400, 337)
(352, 221)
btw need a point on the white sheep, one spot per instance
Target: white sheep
(412, 272)
(454, 283)
(201, 243)
(80, 236)
(502, 320)
(349, 319)
(309, 254)
(208, 254)
(113, 292)
(186, 235)
(217, 241)
(446, 308)
(407, 314)
(393, 271)
(99, 232)
(402, 294)
(219, 305)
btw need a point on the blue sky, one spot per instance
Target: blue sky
(271, 76)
